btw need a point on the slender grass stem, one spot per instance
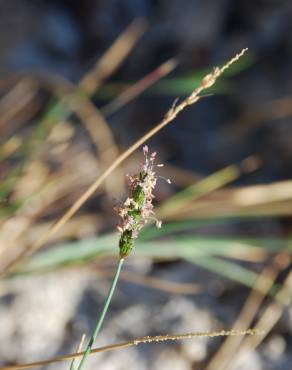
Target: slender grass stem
(100, 319)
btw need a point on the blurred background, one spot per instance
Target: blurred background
(80, 82)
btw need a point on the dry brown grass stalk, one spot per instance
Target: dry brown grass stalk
(173, 112)
(79, 349)
(256, 200)
(248, 312)
(205, 186)
(113, 57)
(269, 317)
(98, 130)
(137, 88)
(15, 102)
(137, 341)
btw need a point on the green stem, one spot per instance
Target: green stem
(102, 315)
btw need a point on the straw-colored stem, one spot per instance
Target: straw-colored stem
(79, 348)
(102, 315)
(135, 342)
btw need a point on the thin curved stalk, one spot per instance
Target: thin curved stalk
(102, 315)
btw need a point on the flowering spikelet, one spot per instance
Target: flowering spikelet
(138, 207)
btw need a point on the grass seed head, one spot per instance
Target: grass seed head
(138, 208)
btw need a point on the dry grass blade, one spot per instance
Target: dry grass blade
(96, 126)
(79, 348)
(113, 57)
(137, 88)
(174, 111)
(267, 320)
(205, 186)
(248, 312)
(135, 342)
(266, 199)
(17, 99)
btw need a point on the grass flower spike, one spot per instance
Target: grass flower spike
(138, 207)
(134, 214)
